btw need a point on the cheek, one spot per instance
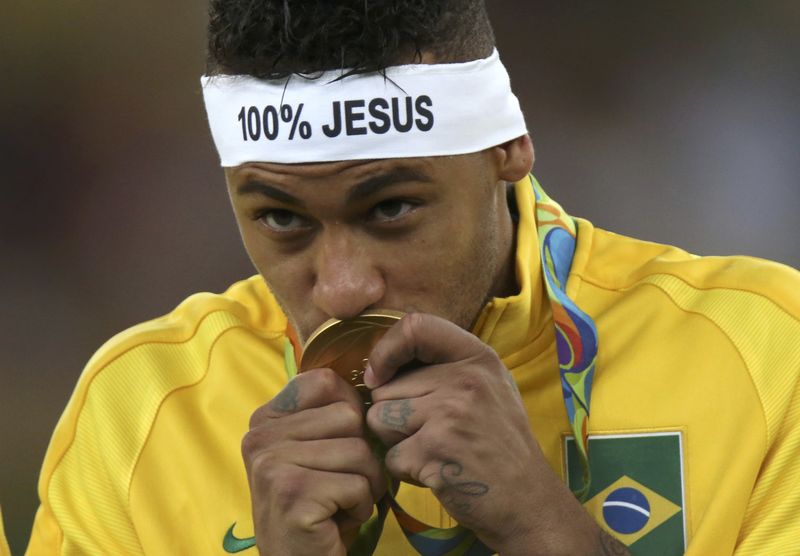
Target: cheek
(286, 275)
(430, 264)
(460, 278)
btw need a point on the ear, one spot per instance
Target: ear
(514, 159)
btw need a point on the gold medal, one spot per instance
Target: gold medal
(345, 345)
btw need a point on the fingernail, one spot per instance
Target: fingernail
(369, 376)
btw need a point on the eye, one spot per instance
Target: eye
(392, 209)
(280, 220)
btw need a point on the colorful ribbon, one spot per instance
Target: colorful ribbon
(576, 334)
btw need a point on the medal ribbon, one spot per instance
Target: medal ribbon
(576, 343)
(576, 334)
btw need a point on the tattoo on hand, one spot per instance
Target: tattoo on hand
(612, 546)
(395, 414)
(287, 399)
(453, 491)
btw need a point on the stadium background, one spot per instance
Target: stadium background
(675, 122)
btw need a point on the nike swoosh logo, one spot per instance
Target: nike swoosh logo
(232, 545)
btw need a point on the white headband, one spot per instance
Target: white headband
(415, 110)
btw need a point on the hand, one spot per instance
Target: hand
(313, 478)
(456, 424)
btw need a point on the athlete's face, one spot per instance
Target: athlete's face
(419, 234)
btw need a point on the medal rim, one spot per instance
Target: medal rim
(375, 316)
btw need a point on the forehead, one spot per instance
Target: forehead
(346, 174)
(324, 171)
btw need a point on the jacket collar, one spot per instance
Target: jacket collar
(509, 324)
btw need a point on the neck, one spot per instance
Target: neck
(505, 283)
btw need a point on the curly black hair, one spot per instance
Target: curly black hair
(273, 39)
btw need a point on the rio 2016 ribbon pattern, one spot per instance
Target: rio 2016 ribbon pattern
(576, 334)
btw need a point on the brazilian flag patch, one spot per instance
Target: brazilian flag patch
(637, 490)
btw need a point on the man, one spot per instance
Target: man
(376, 159)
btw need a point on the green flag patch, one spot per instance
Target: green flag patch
(637, 489)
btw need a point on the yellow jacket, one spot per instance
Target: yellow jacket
(695, 417)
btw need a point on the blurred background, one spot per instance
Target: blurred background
(676, 122)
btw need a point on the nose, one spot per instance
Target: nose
(347, 281)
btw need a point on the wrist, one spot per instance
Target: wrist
(589, 540)
(563, 527)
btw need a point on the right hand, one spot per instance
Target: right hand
(313, 478)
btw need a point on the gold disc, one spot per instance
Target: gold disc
(345, 345)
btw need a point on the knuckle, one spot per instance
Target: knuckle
(263, 468)
(250, 444)
(403, 466)
(256, 441)
(286, 489)
(362, 487)
(451, 409)
(486, 356)
(351, 418)
(395, 463)
(256, 455)
(327, 383)
(267, 475)
(413, 321)
(473, 385)
(430, 476)
(258, 417)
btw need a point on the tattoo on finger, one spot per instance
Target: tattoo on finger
(287, 400)
(394, 414)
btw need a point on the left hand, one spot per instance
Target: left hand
(457, 425)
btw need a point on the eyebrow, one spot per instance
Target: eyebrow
(251, 187)
(394, 176)
(360, 191)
